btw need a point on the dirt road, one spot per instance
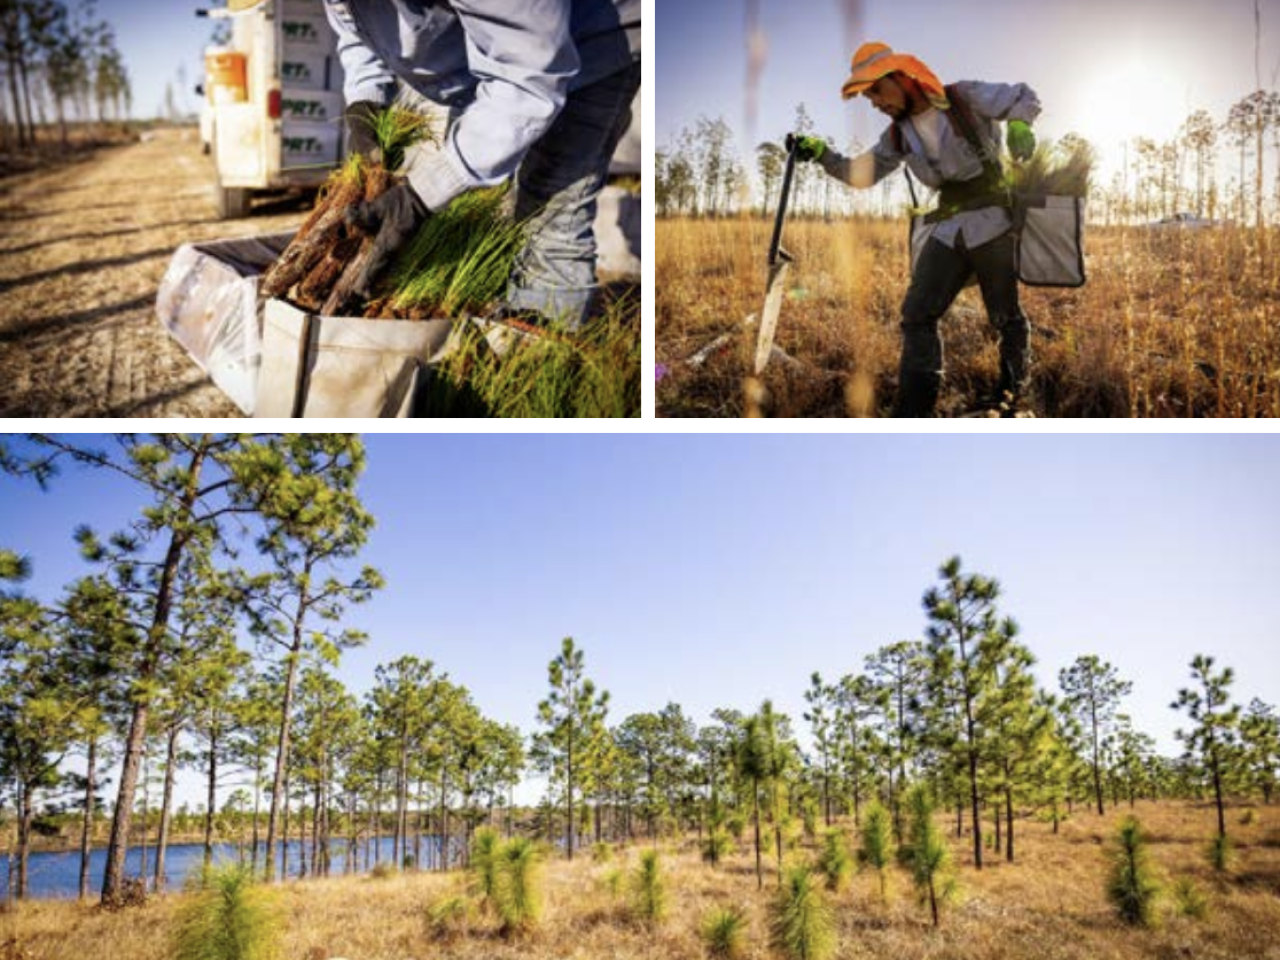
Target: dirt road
(82, 251)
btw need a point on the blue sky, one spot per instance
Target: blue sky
(717, 570)
(157, 40)
(1108, 69)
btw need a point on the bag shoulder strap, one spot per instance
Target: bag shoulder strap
(963, 122)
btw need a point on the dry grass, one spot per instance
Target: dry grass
(1050, 905)
(1181, 323)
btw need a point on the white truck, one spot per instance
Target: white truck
(272, 111)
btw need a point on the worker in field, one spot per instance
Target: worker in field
(538, 89)
(949, 138)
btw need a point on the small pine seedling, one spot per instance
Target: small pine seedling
(834, 862)
(650, 889)
(1222, 853)
(724, 933)
(802, 927)
(230, 917)
(519, 901)
(716, 846)
(1189, 900)
(930, 856)
(877, 845)
(602, 852)
(1132, 886)
(484, 863)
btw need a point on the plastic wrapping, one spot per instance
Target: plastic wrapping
(208, 301)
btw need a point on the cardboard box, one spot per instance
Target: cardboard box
(309, 70)
(315, 106)
(304, 144)
(307, 32)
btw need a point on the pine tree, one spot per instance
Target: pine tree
(966, 643)
(573, 714)
(195, 484)
(754, 763)
(821, 718)
(39, 709)
(1093, 688)
(315, 521)
(898, 671)
(1216, 722)
(1260, 738)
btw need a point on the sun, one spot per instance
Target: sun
(1137, 98)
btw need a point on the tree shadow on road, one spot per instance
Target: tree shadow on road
(85, 266)
(104, 234)
(45, 327)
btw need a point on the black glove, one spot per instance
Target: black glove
(359, 117)
(393, 220)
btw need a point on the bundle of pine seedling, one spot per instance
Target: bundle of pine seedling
(594, 372)
(1059, 169)
(457, 264)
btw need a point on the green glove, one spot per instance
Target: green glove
(806, 148)
(1022, 142)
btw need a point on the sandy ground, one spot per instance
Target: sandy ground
(82, 250)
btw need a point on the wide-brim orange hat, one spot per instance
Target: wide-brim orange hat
(876, 60)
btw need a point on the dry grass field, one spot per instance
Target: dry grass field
(1171, 323)
(1049, 905)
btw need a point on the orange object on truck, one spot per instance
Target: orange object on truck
(272, 111)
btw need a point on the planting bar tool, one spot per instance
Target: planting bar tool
(779, 262)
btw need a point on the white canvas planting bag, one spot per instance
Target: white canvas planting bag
(316, 366)
(1050, 247)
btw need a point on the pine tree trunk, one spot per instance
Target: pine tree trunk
(755, 791)
(282, 742)
(17, 103)
(86, 831)
(1008, 812)
(26, 813)
(211, 803)
(135, 745)
(26, 96)
(257, 805)
(162, 842)
(284, 820)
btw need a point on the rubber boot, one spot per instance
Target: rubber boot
(917, 394)
(1015, 360)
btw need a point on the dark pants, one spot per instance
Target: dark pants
(556, 191)
(940, 275)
